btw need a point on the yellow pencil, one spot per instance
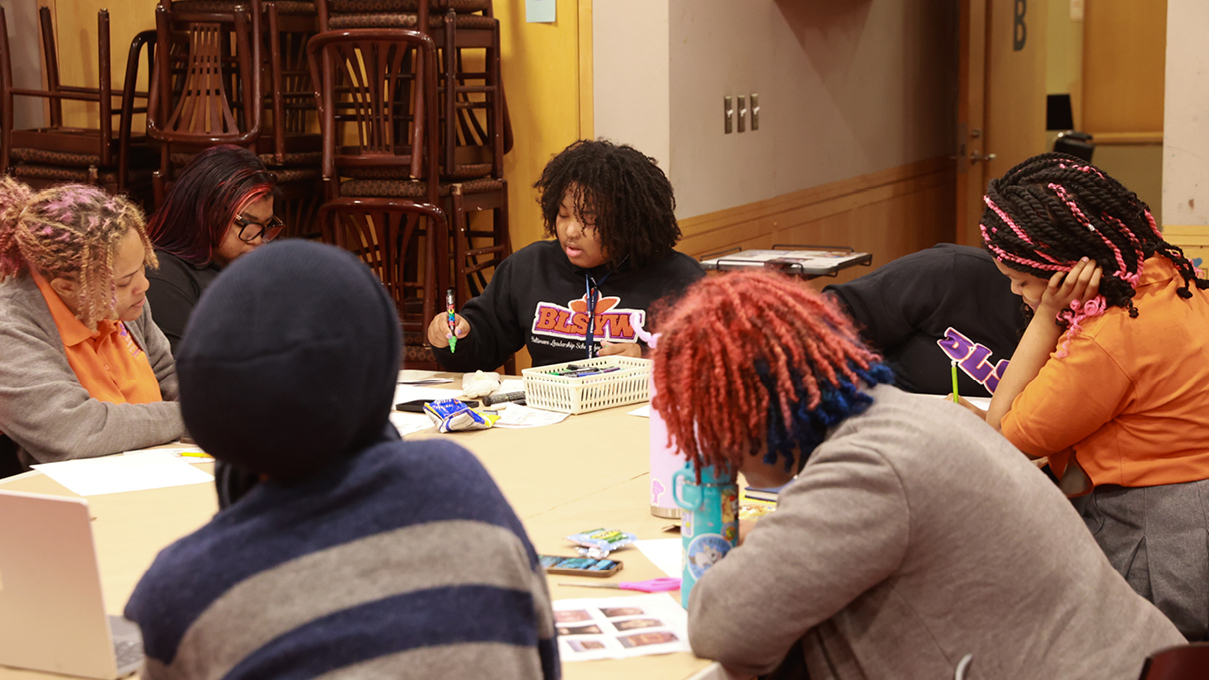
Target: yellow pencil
(194, 454)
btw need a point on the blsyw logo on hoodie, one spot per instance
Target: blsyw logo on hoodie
(611, 323)
(974, 358)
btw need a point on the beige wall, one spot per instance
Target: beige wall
(846, 89)
(630, 75)
(22, 19)
(1185, 125)
(1064, 56)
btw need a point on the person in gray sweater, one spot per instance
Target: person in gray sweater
(912, 542)
(84, 371)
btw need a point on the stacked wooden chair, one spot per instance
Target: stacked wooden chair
(377, 106)
(234, 72)
(96, 153)
(472, 125)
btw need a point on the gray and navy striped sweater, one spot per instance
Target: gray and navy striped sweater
(404, 562)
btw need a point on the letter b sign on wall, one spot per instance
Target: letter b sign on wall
(1019, 30)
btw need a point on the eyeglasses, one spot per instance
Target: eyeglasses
(250, 231)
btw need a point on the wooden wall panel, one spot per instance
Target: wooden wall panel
(1124, 57)
(889, 213)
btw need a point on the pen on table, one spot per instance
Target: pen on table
(956, 399)
(453, 322)
(194, 454)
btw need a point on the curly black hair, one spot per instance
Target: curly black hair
(631, 198)
(1051, 210)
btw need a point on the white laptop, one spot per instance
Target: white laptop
(52, 612)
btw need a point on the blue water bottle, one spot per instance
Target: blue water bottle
(710, 515)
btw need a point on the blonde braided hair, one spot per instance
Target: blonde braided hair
(68, 231)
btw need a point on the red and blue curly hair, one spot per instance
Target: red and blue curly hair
(755, 361)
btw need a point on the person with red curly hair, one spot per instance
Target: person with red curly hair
(84, 371)
(909, 540)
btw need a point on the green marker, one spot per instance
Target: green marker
(453, 322)
(956, 400)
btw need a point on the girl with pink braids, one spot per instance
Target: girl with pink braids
(1111, 378)
(84, 371)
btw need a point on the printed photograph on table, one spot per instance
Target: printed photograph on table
(614, 612)
(579, 630)
(655, 637)
(585, 645)
(618, 628)
(574, 616)
(631, 624)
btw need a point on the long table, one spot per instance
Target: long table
(588, 471)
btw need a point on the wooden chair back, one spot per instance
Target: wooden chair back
(207, 78)
(381, 83)
(397, 239)
(93, 145)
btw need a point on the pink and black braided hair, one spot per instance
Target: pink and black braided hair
(68, 231)
(1053, 209)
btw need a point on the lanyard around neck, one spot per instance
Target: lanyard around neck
(592, 295)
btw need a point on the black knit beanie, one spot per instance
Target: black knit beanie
(290, 361)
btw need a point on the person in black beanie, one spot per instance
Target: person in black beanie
(352, 545)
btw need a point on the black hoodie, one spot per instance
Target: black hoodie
(926, 309)
(537, 298)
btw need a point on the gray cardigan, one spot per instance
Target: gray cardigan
(914, 536)
(43, 407)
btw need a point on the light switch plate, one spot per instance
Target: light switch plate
(742, 113)
(755, 112)
(729, 109)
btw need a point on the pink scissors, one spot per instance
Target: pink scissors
(655, 585)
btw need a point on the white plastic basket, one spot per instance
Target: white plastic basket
(589, 393)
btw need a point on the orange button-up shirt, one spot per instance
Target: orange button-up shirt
(1131, 399)
(107, 362)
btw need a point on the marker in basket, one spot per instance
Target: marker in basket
(956, 399)
(493, 399)
(452, 319)
(586, 371)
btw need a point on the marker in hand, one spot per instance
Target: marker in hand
(453, 323)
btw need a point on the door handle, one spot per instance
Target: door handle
(975, 157)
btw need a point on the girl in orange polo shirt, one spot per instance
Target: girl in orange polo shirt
(83, 369)
(1111, 378)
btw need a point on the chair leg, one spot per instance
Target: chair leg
(157, 188)
(457, 223)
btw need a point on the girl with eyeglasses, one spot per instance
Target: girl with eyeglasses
(219, 208)
(84, 371)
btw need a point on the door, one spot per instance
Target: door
(1001, 98)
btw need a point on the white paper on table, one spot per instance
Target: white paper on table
(411, 393)
(116, 474)
(407, 423)
(620, 627)
(411, 376)
(665, 553)
(643, 411)
(517, 416)
(513, 385)
(983, 403)
(171, 453)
